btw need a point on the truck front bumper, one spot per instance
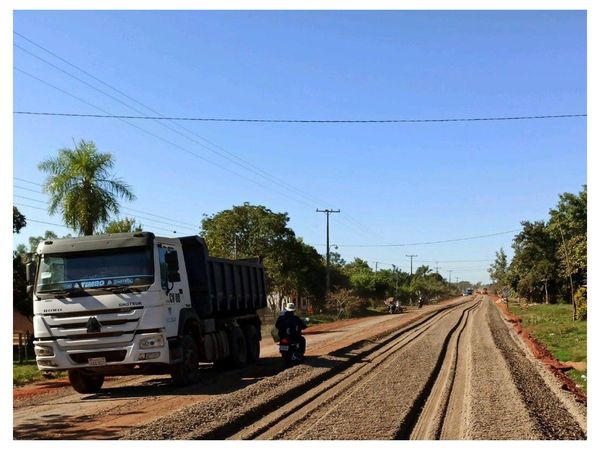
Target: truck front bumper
(145, 348)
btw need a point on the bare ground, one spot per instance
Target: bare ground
(451, 371)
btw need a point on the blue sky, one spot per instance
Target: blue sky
(394, 183)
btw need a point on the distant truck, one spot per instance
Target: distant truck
(468, 291)
(130, 303)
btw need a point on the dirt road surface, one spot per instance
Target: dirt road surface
(448, 371)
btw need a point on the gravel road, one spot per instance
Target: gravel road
(453, 371)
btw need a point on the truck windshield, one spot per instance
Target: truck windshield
(129, 266)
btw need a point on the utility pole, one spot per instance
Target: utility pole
(396, 288)
(449, 277)
(376, 263)
(411, 258)
(437, 267)
(327, 213)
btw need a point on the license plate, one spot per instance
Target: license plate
(284, 348)
(97, 361)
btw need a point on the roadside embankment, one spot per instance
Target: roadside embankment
(553, 338)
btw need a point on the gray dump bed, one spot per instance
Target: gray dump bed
(222, 287)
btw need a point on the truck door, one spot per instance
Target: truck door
(175, 291)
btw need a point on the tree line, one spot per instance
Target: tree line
(550, 257)
(84, 192)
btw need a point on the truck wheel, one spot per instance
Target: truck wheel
(186, 372)
(238, 348)
(253, 343)
(85, 383)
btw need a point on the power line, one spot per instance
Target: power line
(350, 221)
(37, 191)
(29, 206)
(27, 181)
(244, 164)
(161, 138)
(428, 243)
(29, 198)
(69, 228)
(454, 260)
(303, 121)
(174, 222)
(47, 223)
(166, 140)
(137, 217)
(133, 108)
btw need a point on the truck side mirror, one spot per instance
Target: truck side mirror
(172, 267)
(172, 277)
(30, 272)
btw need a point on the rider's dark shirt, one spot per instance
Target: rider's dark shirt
(288, 324)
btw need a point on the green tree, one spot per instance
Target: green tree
(125, 225)
(428, 285)
(302, 273)
(357, 266)
(21, 301)
(19, 220)
(498, 270)
(248, 231)
(82, 188)
(533, 267)
(568, 226)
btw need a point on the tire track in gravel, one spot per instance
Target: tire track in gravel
(434, 416)
(335, 391)
(222, 417)
(551, 418)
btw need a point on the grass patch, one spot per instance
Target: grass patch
(554, 327)
(579, 377)
(25, 373)
(28, 373)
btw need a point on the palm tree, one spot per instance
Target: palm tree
(82, 188)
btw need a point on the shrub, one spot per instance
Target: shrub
(581, 303)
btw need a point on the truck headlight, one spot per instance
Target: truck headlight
(43, 350)
(152, 342)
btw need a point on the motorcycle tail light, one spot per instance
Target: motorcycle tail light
(284, 341)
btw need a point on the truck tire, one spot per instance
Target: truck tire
(85, 382)
(238, 349)
(252, 343)
(186, 372)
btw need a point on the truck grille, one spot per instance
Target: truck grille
(117, 326)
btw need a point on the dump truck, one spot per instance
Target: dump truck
(136, 303)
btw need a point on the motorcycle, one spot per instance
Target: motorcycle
(290, 351)
(394, 308)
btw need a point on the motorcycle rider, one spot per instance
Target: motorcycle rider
(290, 326)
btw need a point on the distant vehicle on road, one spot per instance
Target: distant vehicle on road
(468, 291)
